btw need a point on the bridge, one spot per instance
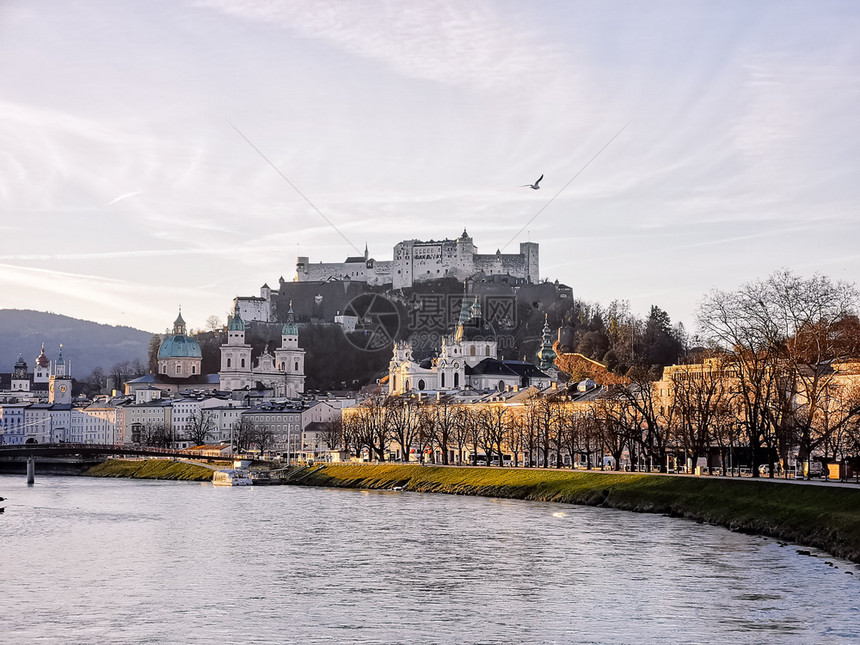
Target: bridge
(94, 449)
(29, 452)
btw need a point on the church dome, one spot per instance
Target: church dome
(41, 359)
(179, 346)
(235, 323)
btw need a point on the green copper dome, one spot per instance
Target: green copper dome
(179, 346)
(235, 322)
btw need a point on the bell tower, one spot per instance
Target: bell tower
(235, 370)
(290, 358)
(60, 383)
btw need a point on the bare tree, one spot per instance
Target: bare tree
(263, 437)
(698, 398)
(401, 417)
(157, 435)
(515, 436)
(638, 402)
(494, 420)
(244, 433)
(544, 418)
(780, 334)
(332, 434)
(365, 427)
(199, 427)
(445, 420)
(461, 429)
(610, 424)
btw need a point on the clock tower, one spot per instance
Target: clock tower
(60, 383)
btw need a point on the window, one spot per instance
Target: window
(443, 379)
(472, 350)
(421, 384)
(243, 363)
(501, 386)
(487, 351)
(297, 366)
(456, 379)
(179, 369)
(228, 362)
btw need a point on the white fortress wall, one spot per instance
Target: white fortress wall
(419, 261)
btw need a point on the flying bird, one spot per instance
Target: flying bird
(534, 186)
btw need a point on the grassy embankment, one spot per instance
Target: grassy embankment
(819, 516)
(151, 469)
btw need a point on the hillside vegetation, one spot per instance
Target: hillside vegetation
(86, 345)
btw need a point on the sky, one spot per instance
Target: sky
(180, 153)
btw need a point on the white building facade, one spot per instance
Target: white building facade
(283, 372)
(419, 261)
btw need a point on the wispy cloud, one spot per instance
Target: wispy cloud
(122, 197)
(471, 43)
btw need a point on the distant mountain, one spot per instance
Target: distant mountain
(86, 345)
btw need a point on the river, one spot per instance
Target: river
(104, 560)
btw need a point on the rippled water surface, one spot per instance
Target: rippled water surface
(96, 561)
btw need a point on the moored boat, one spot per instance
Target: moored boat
(231, 477)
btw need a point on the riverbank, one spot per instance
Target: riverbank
(823, 517)
(151, 469)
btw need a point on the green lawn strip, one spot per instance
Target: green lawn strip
(823, 517)
(150, 469)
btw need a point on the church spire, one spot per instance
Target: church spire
(179, 323)
(290, 327)
(475, 310)
(546, 355)
(235, 322)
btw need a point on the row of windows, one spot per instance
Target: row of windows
(422, 385)
(242, 365)
(178, 369)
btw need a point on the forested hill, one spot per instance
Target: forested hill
(86, 344)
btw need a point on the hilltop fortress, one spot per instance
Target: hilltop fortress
(417, 261)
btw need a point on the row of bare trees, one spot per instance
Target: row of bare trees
(543, 431)
(789, 342)
(704, 417)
